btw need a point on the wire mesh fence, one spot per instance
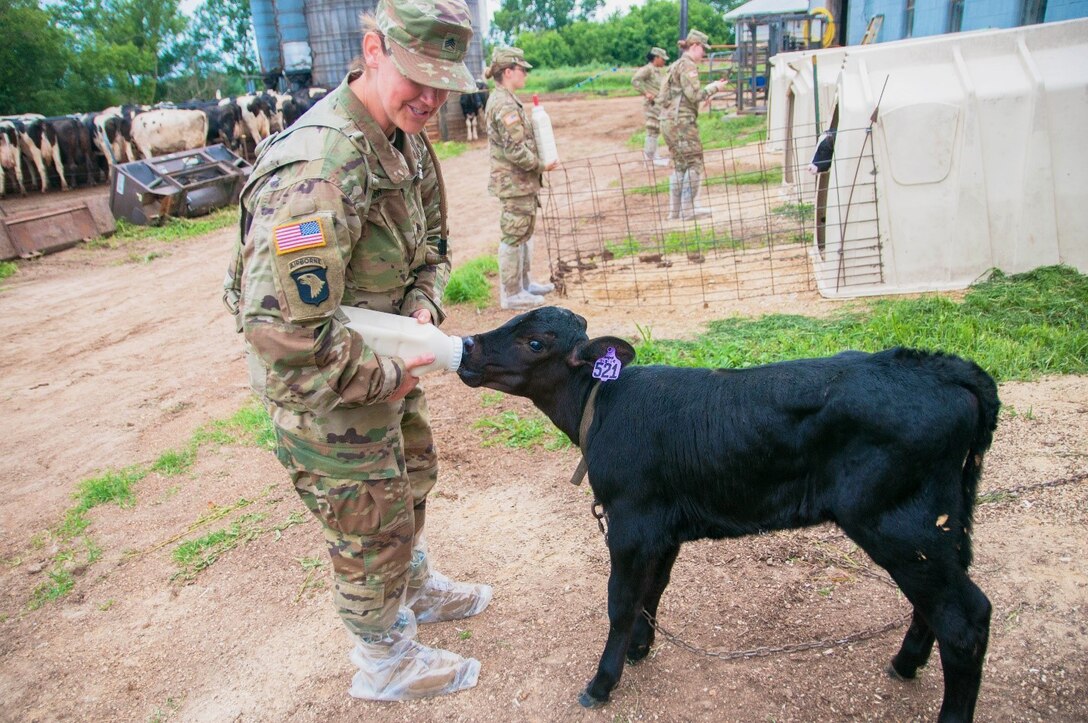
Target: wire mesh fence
(764, 227)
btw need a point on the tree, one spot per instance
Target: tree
(519, 16)
(123, 44)
(215, 54)
(33, 59)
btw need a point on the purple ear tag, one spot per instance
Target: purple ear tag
(607, 367)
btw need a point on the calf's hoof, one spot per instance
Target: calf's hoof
(897, 675)
(637, 653)
(587, 700)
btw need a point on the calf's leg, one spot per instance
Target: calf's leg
(915, 650)
(632, 575)
(642, 637)
(945, 599)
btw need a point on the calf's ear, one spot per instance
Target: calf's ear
(589, 352)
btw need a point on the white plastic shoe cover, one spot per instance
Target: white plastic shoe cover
(441, 598)
(398, 667)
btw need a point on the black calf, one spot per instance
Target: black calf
(889, 446)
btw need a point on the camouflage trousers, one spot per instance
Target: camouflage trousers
(371, 518)
(682, 137)
(653, 125)
(518, 219)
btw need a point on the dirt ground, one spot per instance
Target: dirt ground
(109, 362)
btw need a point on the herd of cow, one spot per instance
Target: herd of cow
(39, 153)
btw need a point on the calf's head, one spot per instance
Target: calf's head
(537, 354)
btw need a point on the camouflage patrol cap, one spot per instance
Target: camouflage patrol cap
(508, 58)
(697, 37)
(659, 52)
(428, 41)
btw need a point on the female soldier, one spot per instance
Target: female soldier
(345, 207)
(516, 171)
(678, 108)
(647, 80)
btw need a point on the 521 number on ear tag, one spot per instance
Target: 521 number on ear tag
(608, 366)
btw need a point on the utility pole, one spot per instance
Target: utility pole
(683, 19)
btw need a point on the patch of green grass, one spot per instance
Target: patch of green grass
(796, 211)
(599, 79)
(198, 554)
(7, 269)
(717, 130)
(249, 425)
(769, 176)
(59, 584)
(450, 149)
(511, 430)
(470, 283)
(1015, 327)
(490, 399)
(172, 229)
(174, 462)
(687, 241)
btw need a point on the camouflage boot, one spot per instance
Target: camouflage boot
(395, 666)
(434, 598)
(676, 183)
(692, 189)
(526, 282)
(512, 295)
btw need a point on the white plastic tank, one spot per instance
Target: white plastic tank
(976, 160)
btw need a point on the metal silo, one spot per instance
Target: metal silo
(268, 41)
(335, 36)
(294, 36)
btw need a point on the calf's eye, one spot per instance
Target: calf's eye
(536, 345)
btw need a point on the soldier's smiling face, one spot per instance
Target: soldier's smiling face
(392, 99)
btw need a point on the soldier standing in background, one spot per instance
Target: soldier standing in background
(516, 172)
(345, 208)
(678, 108)
(648, 82)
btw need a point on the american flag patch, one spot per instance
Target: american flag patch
(297, 236)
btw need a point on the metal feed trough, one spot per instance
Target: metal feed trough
(186, 183)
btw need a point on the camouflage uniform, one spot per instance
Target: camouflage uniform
(516, 179)
(678, 109)
(362, 465)
(648, 79)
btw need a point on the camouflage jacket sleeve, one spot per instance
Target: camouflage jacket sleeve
(693, 91)
(430, 279)
(301, 235)
(515, 137)
(646, 80)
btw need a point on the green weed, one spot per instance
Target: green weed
(450, 149)
(490, 399)
(172, 229)
(469, 284)
(1016, 327)
(599, 79)
(7, 269)
(59, 584)
(174, 462)
(717, 130)
(797, 211)
(198, 554)
(686, 241)
(770, 176)
(511, 430)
